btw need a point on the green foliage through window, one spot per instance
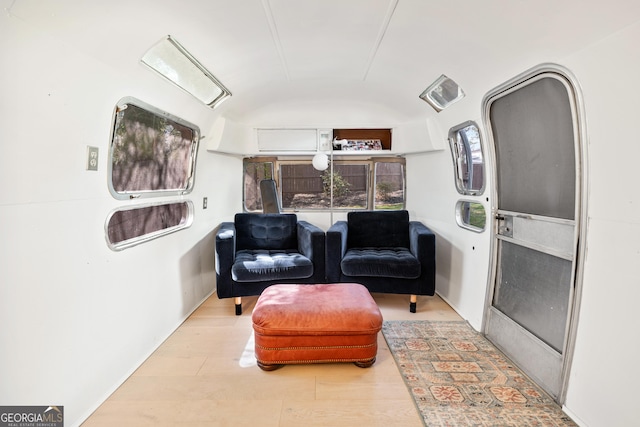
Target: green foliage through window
(471, 215)
(340, 185)
(301, 187)
(152, 153)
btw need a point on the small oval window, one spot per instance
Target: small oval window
(468, 161)
(471, 215)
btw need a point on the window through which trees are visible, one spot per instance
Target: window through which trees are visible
(471, 215)
(152, 153)
(304, 187)
(255, 170)
(369, 184)
(468, 160)
(389, 186)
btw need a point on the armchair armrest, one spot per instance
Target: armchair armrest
(310, 239)
(311, 244)
(423, 245)
(225, 256)
(336, 248)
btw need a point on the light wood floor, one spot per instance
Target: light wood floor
(205, 374)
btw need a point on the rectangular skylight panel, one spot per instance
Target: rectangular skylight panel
(172, 61)
(442, 93)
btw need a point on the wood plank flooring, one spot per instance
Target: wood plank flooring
(205, 374)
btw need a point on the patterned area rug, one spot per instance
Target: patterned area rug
(458, 378)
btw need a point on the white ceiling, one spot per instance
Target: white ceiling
(367, 52)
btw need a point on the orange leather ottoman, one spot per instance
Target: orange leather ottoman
(322, 323)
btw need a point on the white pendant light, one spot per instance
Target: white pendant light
(320, 161)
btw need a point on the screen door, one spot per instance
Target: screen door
(535, 142)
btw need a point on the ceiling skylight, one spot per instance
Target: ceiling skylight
(172, 61)
(442, 93)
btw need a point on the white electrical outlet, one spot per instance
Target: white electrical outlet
(92, 158)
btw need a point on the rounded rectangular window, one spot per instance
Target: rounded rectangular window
(471, 215)
(171, 60)
(134, 225)
(152, 153)
(468, 160)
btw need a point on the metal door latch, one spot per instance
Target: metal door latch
(505, 225)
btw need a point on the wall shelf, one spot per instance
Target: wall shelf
(381, 135)
(235, 139)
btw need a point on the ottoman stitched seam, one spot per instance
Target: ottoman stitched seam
(315, 348)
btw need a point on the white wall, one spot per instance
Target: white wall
(78, 318)
(603, 376)
(462, 256)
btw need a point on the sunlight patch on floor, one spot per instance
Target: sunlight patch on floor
(248, 358)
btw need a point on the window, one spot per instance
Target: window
(389, 185)
(302, 187)
(255, 170)
(172, 61)
(442, 93)
(468, 161)
(471, 215)
(152, 153)
(131, 226)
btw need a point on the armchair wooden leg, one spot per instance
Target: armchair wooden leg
(412, 304)
(238, 306)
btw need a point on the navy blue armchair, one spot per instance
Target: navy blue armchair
(259, 250)
(383, 251)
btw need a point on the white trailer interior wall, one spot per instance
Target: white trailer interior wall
(78, 318)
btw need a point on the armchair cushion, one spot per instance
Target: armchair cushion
(383, 262)
(266, 231)
(262, 264)
(369, 229)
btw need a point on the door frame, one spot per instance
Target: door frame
(580, 132)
